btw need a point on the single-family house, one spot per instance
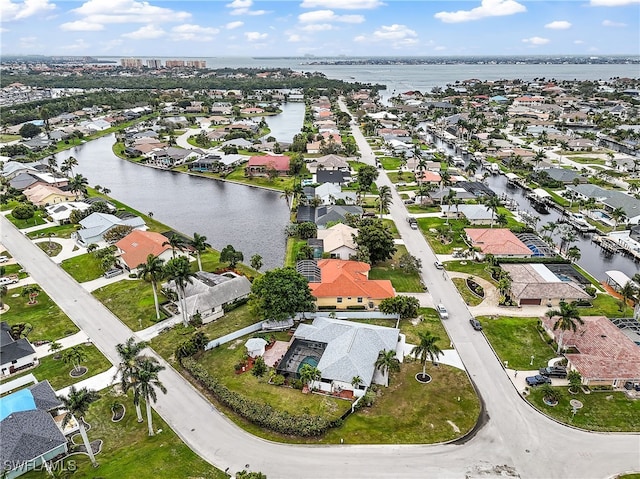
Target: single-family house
(134, 248)
(328, 162)
(41, 195)
(598, 350)
(15, 355)
(499, 242)
(94, 226)
(330, 194)
(346, 285)
(264, 165)
(474, 214)
(336, 177)
(536, 284)
(60, 212)
(30, 435)
(338, 241)
(11, 169)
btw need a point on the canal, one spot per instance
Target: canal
(251, 219)
(288, 123)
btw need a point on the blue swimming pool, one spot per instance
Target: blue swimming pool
(310, 360)
(18, 401)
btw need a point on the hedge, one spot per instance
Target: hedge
(258, 413)
(536, 259)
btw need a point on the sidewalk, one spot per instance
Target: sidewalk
(68, 246)
(67, 342)
(152, 331)
(97, 382)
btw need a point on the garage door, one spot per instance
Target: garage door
(530, 301)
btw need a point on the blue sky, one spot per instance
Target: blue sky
(235, 28)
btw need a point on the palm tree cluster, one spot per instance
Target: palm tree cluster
(567, 318)
(139, 373)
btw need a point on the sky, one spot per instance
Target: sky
(246, 28)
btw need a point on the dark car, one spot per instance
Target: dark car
(554, 372)
(538, 379)
(475, 324)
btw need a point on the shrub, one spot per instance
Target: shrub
(590, 290)
(278, 380)
(259, 367)
(23, 211)
(258, 413)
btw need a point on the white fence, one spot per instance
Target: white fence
(346, 315)
(235, 335)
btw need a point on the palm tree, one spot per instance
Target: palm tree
(387, 362)
(3, 292)
(54, 347)
(628, 292)
(199, 243)
(471, 168)
(574, 254)
(30, 291)
(178, 270)
(445, 180)
(77, 404)
(52, 164)
(384, 198)
(287, 193)
(539, 156)
(78, 184)
(567, 237)
(146, 382)
(492, 203)
(69, 164)
(152, 271)
(129, 354)
(356, 381)
(308, 374)
(427, 349)
(75, 356)
(176, 242)
(617, 215)
(568, 318)
(256, 261)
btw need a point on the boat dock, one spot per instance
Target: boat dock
(606, 244)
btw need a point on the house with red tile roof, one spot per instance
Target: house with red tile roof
(346, 285)
(499, 242)
(261, 165)
(134, 248)
(599, 351)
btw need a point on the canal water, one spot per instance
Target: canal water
(253, 220)
(288, 123)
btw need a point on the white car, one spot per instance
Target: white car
(3, 259)
(442, 311)
(5, 280)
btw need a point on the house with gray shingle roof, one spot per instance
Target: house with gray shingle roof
(96, 225)
(15, 355)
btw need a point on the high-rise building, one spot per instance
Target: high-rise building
(154, 63)
(174, 63)
(131, 62)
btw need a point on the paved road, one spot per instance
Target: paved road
(515, 436)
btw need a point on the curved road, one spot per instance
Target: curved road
(516, 441)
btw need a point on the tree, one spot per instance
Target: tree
(427, 349)
(29, 130)
(308, 374)
(78, 184)
(23, 211)
(367, 174)
(3, 292)
(250, 475)
(146, 381)
(617, 215)
(356, 381)
(259, 367)
(575, 380)
(409, 264)
(378, 240)
(287, 193)
(384, 198)
(387, 362)
(230, 255)
(178, 270)
(550, 394)
(77, 403)
(69, 164)
(152, 271)
(568, 317)
(306, 230)
(256, 261)
(30, 291)
(492, 203)
(280, 293)
(74, 356)
(129, 354)
(574, 254)
(404, 306)
(116, 233)
(628, 293)
(54, 347)
(176, 242)
(200, 245)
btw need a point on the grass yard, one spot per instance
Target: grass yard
(606, 305)
(50, 247)
(474, 268)
(390, 162)
(57, 372)
(423, 209)
(132, 302)
(36, 220)
(402, 282)
(211, 262)
(293, 248)
(469, 297)
(276, 184)
(602, 410)
(516, 340)
(8, 138)
(128, 451)
(61, 231)
(82, 268)
(392, 227)
(46, 318)
(456, 232)
(166, 343)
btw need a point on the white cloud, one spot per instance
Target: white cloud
(195, 33)
(78, 45)
(578, 42)
(324, 16)
(488, 8)
(128, 11)
(109, 45)
(243, 7)
(342, 4)
(397, 35)
(440, 48)
(611, 23)
(145, 33)
(255, 36)
(81, 26)
(536, 40)
(4, 30)
(232, 25)
(558, 25)
(19, 10)
(28, 43)
(317, 27)
(294, 38)
(612, 3)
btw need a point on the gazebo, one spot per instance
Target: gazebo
(255, 347)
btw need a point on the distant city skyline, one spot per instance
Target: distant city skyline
(245, 28)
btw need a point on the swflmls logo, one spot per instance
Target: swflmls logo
(32, 465)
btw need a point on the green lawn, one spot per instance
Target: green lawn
(166, 343)
(132, 302)
(516, 340)
(82, 268)
(57, 372)
(276, 184)
(392, 227)
(128, 451)
(36, 220)
(402, 282)
(390, 162)
(8, 138)
(293, 248)
(50, 247)
(46, 318)
(606, 305)
(61, 231)
(601, 411)
(470, 298)
(456, 233)
(474, 268)
(423, 209)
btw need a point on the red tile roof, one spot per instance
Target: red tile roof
(605, 353)
(497, 241)
(349, 278)
(280, 163)
(137, 245)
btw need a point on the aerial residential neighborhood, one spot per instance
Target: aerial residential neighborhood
(430, 265)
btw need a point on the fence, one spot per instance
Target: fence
(346, 315)
(235, 335)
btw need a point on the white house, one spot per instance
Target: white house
(14, 355)
(338, 241)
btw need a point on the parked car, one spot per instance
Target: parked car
(8, 280)
(113, 272)
(475, 324)
(438, 265)
(409, 201)
(412, 222)
(629, 385)
(538, 379)
(442, 311)
(554, 372)
(3, 259)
